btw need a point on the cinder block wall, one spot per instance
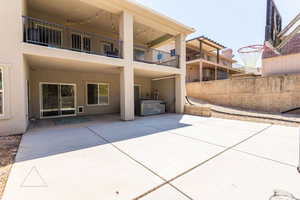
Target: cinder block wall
(292, 47)
(270, 94)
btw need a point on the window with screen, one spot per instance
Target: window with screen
(98, 94)
(81, 43)
(1, 92)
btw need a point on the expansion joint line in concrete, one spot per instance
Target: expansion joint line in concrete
(240, 151)
(144, 166)
(204, 162)
(199, 140)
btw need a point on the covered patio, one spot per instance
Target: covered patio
(59, 87)
(203, 70)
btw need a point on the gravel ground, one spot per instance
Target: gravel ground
(8, 150)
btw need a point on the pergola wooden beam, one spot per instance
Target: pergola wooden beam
(200, 47)
(202, 41)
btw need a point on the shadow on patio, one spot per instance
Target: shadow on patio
(47, 138)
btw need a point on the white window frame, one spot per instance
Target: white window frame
(41, 100)
(2, 91)
(98, 84)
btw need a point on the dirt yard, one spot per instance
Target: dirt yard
(8, 150)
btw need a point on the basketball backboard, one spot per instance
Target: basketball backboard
(273, 24)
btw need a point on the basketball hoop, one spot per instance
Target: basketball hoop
(251, 54)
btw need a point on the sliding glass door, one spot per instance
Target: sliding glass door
(57, 100)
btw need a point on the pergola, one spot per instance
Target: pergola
(195, 56)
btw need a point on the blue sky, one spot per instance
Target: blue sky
(233, 23)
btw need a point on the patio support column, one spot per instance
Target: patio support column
(127, 71)
(228, 73)
(180, 48)
(200, 48)
(180, 91)
(218, 56)
(201, 71)
(216, 73)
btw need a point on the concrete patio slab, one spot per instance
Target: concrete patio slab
(234, 124)
(49, 124)
(168, 122)
(86, 171)
(183, 119)
(119, 131)
(111, 159)
(42, 143)
(176, 153)
(236, 175)
(279, 143)
(216, 135)
(165, 193)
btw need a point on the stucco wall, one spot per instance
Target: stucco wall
(14, 120)
(166, 89)
(271, 94)
(81, 79)
(145, 84)
(286, 64)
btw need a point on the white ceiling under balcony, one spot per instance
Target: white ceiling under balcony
(145, 35)
(75, 13)
(80, 14)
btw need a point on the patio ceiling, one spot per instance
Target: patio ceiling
(48, 63)
(80, 14)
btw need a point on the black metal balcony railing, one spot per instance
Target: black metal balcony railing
(53, 35)
(194, 56)
(154, 56)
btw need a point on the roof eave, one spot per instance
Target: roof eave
(210, 40)
(180, 27)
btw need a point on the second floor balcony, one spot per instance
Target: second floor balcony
(40, 32)
(53, 35)
(154, 56)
